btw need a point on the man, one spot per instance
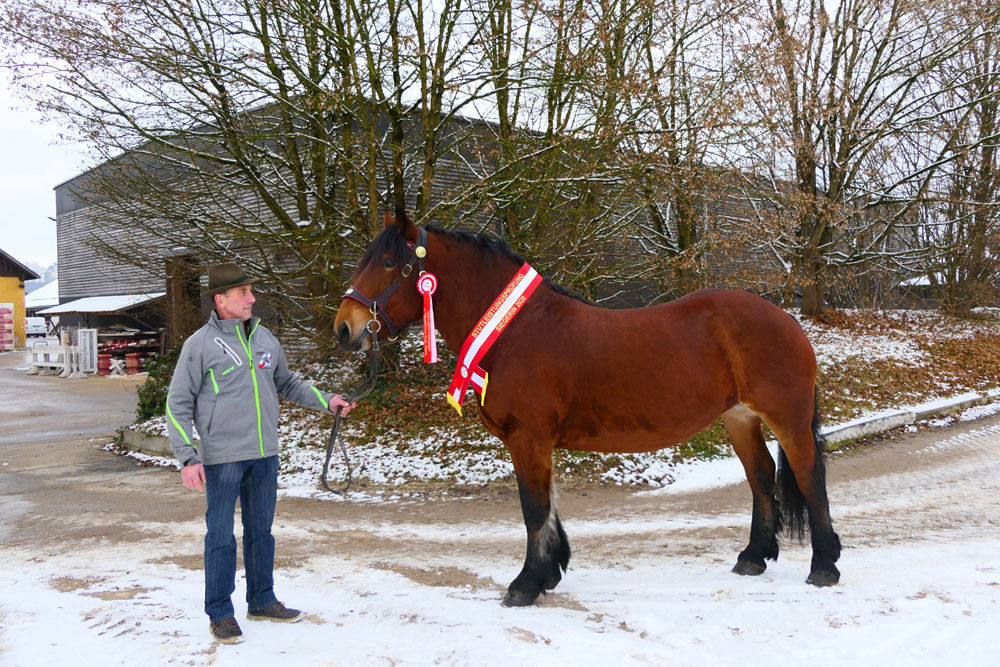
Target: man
(227, 381)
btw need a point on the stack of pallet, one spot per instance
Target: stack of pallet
(6, 327)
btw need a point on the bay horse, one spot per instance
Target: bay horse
(567, 374)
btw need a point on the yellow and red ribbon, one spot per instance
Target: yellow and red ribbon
(486, 332)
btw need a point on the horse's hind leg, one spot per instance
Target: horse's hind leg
(802, 480)
(548, 549)
(748, 441)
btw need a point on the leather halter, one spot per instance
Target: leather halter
(376, 306)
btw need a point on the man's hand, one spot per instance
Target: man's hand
(193, 476)
(338, 402)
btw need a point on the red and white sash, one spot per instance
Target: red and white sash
(490, 326)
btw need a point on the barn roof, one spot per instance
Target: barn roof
(102, 304)
(11, 267)
(44, 296)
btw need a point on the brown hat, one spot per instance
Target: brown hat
(224, 276)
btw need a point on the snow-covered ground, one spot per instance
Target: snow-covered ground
(924, 593)
(386, 465)
(926, 603)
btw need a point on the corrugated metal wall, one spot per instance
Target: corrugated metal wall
(84, 272)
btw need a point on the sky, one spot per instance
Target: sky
(37, 161)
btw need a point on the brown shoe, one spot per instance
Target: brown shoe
(226, 631)
(276, 612)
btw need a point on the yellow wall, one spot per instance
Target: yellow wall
(12, 291)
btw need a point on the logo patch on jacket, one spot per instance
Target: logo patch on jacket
(265, 360)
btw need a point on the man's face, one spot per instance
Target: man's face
(236, 303)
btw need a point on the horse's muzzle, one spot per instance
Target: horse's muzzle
(344, 338)
(349, 342)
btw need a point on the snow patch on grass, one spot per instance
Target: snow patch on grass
(391, 459)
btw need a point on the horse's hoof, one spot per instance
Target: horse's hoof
(823, 578)
(519, 599)
(749, 568)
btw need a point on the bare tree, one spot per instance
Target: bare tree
(217, 118)
(851, 114)
(594, 134)
(593, 99)
(556, 172)
(964, 221)
(692, 116)
(246, 128)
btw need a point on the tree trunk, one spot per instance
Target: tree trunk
(814, 271)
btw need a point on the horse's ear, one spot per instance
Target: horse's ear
(406, 228)
(390, 220)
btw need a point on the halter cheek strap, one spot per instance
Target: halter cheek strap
(376, 306)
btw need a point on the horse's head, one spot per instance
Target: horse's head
(382, 296)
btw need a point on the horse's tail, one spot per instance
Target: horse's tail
(791, 502)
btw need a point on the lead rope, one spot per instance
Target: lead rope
(359, 393)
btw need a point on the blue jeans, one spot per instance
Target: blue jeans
(255, 483)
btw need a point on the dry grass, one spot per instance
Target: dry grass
(958, 355)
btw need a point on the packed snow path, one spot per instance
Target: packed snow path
(101, 563)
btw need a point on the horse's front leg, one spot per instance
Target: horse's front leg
(548, 549)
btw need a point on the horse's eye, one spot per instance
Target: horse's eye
(389, 264)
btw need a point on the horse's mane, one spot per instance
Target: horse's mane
(391, 243)
(491, 244)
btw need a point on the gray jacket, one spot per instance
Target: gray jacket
(228, 384)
